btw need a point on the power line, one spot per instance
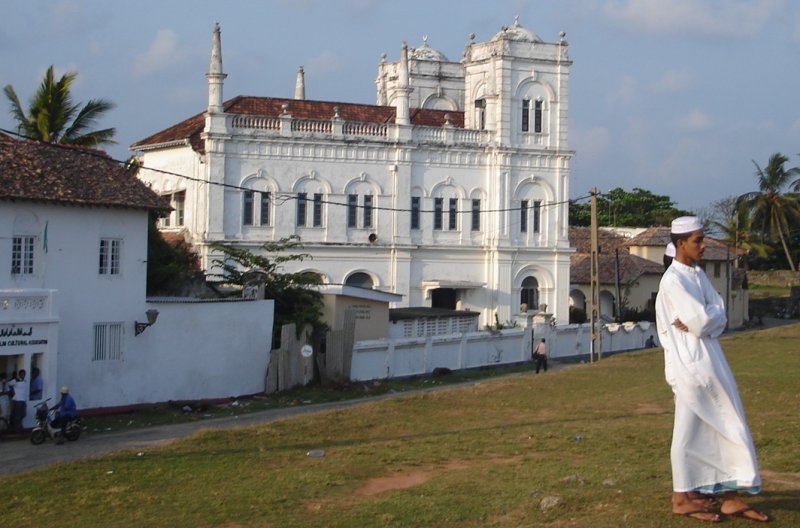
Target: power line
(281, 197)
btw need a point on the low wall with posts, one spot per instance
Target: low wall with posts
(394, 358)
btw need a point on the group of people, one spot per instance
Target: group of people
(17, 391)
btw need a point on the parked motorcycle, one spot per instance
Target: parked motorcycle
(45, 429)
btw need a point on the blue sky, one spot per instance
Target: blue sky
(674, 96)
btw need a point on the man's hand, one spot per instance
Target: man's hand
(677, 323)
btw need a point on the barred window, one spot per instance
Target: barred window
(247, 208)
(301, 208)
(452, 220)
(265, 200)
(109, 256)
(438, 205)
(523, 216)
(476, 215)
(107, 342)
(317, 214)
(537, 216)
(415, 210)
(368, 210)
(352, 210)
(22, 255)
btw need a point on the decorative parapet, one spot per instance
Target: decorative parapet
(287, 126)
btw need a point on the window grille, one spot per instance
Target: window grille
(301, 209)
(22, 255)
(352, 210)
(368, 210)
(107, 342)
(266, 198)
(317, 210)
(438, 205)
(247, 208)
(476, 215)
(523, 216)
(415, 208)
(109, 256)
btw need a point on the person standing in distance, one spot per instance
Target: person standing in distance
(712, 450)
(540, 353)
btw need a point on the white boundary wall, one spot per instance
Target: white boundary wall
(394, 358)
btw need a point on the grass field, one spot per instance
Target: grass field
(584, 447)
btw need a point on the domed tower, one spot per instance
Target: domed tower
(435, 82)
(518, 86)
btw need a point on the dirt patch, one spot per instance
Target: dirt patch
(788, 480)
(405, 480)
(650, 408)
(395, 482)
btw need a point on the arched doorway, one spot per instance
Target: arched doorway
(529, 293)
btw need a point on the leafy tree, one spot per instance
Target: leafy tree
(53, 117)
(618, 207)
(169, 266)
(773, 212)
(296, 301)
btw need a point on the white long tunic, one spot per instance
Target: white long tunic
(712, 449)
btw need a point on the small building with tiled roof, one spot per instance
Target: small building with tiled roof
(73, 273)
(450, 191)
(719, 262)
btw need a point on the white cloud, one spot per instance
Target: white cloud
(673, 81)
(325, 62)
(625, 92)
(695, 120)
(163, 53)
(591, 143)
(710, 18)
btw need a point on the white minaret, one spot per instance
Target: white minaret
(300, 84)
(403, 113)
(215, 76)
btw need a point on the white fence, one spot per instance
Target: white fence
(393, 358)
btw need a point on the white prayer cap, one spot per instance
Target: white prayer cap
(669, 251)
(686, 224)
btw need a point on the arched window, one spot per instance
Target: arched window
(359, 279)
(529, 294)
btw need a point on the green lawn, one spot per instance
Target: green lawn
(593, 439)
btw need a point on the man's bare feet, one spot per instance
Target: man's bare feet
(683, 504)
(701, 500)
(734, 506)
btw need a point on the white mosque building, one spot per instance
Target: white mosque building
(450, 191)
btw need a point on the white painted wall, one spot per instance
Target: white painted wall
(393, 358)
(195, 351)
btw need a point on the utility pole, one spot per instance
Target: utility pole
(594, 280)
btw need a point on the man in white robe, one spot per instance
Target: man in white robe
(712, 449)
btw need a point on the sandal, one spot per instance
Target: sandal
(742, 514)
(693, 514)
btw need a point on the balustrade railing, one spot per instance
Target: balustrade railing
(301, 127)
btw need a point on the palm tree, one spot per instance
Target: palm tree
(52, 116)
(772, 211)
(734, 224)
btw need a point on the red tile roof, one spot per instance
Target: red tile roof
(631, 267)
(35, 171)
(190, 129)
(660, 236)
(581, 239)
